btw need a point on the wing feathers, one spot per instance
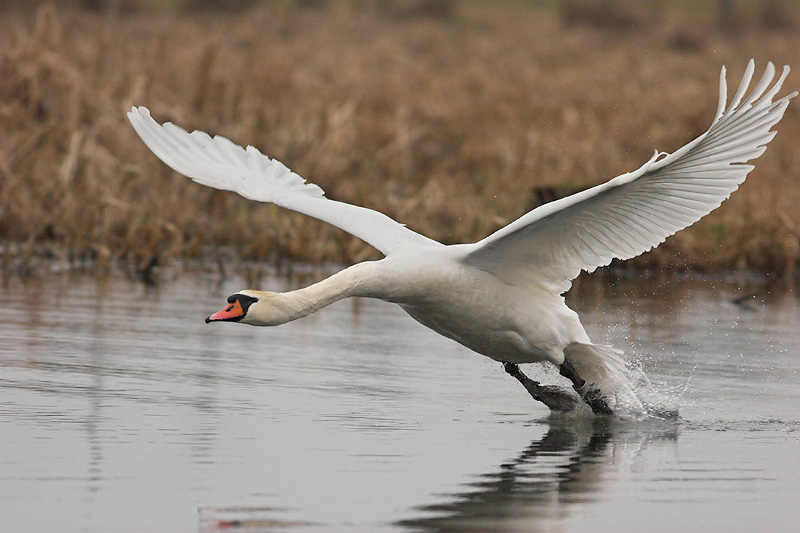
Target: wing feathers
(635, 212)
(748, 75)
(761, 86)
(218, 162)
(723, 94)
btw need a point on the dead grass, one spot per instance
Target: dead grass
(449, 125)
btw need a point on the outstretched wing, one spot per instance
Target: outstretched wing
(219, 163)
(635, 212)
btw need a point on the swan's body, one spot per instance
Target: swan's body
(463, 303)
(501, 297)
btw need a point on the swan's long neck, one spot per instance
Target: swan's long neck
(322, 294)
(287, 306)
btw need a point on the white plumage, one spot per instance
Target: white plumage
(501, 295)
(219, 163)
(635, 212)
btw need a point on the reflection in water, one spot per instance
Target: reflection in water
(96, 354)
(536, 490)
(115, 398)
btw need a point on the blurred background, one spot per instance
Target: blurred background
(454, 117)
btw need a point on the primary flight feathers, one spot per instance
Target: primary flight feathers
(219, 163)
(635, 212)
(621, 218)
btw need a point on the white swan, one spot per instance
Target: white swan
(502, 296)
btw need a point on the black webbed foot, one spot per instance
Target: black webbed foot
(595, 399)
(554, 397)
(593, 396)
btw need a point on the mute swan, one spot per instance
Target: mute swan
(502, 296)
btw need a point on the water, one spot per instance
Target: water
(120, 410)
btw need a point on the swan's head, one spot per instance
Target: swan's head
(256, 308)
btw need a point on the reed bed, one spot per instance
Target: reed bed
(453, 125)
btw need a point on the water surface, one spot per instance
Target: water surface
(120, 410)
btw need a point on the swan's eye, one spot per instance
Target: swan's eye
(243, 300)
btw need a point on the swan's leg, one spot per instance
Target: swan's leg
(591, 395)
(556, 398)
(568, 371)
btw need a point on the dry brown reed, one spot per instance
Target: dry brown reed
(449, 124)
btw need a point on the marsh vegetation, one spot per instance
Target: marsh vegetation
(454, 124)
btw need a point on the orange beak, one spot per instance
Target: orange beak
(234, 311)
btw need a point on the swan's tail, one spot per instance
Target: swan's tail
(604, 369)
